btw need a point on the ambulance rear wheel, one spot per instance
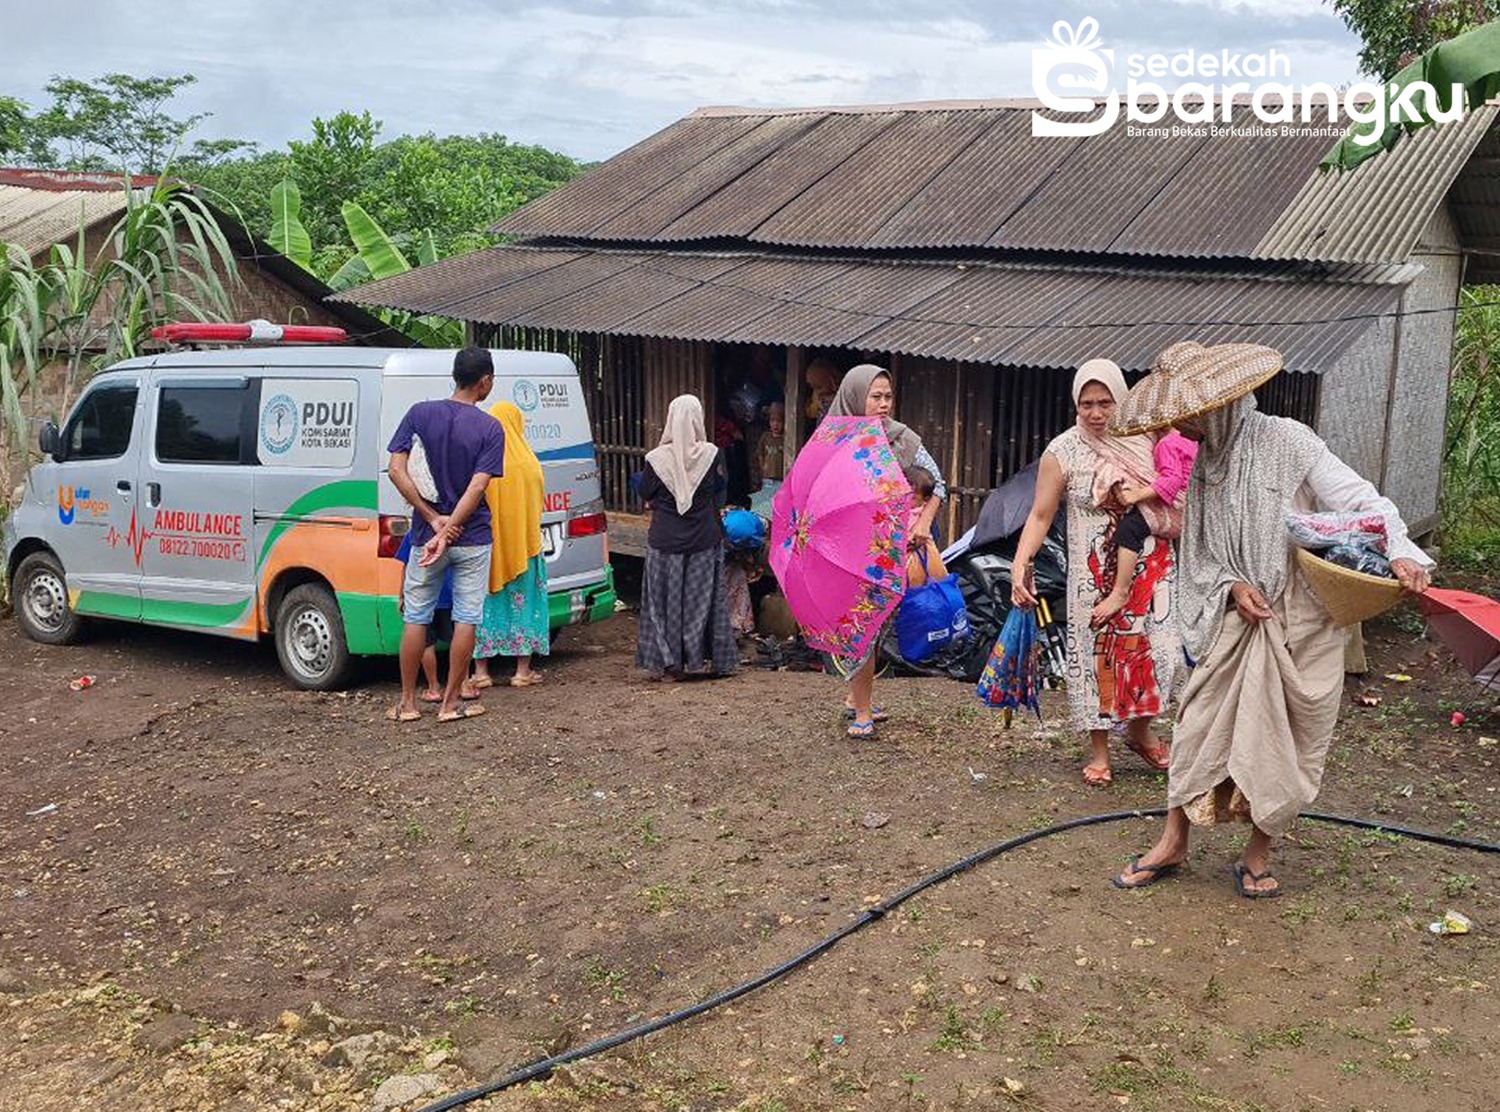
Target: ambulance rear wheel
(40, 590)
(310, 639)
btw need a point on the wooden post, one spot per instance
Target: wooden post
(796, 405)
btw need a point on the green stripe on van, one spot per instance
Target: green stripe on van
(107, 605)
(198, 615)
(359, 494)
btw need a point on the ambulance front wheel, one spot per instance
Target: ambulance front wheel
(310, 639)
(40, 590)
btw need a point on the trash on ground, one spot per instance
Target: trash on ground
(978, 777)
(1367, 699)
(1458, 718)
(82, 683)
(1398, 677)
(45, 810)
(1452, 922)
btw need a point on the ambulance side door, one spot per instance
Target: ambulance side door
(196, 493)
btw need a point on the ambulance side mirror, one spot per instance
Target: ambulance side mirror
(50, 441)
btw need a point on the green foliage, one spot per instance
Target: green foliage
(1395, 33)
(288, 236)
(14, 125)
(116, 122)
(1471, 454)
(160, 261)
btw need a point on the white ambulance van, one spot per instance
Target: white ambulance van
(243, 492)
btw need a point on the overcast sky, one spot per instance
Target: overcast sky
(591, 77)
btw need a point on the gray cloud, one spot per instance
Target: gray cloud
(591, 77)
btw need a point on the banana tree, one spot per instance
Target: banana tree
(375, 256)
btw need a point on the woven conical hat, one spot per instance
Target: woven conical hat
(1190, 378)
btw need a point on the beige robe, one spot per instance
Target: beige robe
(1259, 711)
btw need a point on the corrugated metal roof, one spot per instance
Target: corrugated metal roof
(1014, 314)
(955, 176)
(36, 218)
(1378, 210)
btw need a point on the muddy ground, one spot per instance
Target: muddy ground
(218, 893)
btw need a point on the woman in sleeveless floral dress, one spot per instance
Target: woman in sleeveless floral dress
(1122, 672)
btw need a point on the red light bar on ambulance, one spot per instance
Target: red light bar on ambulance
(251, 332)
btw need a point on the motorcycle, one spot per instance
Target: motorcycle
(982, 559)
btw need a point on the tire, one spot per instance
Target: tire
(310, 641)
(40, 592)
(987, 599)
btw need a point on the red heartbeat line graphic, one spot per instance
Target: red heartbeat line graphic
(136, 538)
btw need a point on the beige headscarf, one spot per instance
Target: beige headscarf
(850, 402)
(1123, 459)
(684, 455)
(1248, 470)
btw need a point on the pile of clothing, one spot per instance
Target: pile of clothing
(1351, 540)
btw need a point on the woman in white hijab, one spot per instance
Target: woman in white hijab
(684, 624)
(1258, 712)
(1121, 672)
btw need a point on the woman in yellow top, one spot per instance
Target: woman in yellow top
(515, 621)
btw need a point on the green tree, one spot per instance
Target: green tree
(117, 122)
(14, 126)
(1394, 32)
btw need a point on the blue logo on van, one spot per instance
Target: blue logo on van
(278, 424)
(525, 394)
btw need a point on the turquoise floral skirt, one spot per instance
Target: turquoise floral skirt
(515, 621)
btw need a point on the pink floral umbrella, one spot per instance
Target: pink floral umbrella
(838, 536)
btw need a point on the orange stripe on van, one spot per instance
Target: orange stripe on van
(340, 549)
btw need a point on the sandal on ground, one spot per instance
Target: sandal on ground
(468, 710)
(859, 729)
(526, 681)
(431, 696)
(1159, 758)
(396, 714)
(1242, 874)
(481, 682)
(1151, 873)
(1096, 777)
(469, 691)
(877, 713)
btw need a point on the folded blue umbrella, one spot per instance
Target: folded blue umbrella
(1012, 675)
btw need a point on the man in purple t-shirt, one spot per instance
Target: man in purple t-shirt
(465, 448)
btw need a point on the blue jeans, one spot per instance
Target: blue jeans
(471, 582)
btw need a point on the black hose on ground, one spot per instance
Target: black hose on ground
(545, 1066)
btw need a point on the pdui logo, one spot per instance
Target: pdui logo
(73, 500)
(525, 394)
(1068, 74)
(65, 506)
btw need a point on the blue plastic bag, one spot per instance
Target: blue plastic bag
(930, 618)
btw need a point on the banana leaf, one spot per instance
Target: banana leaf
(288, 235)
(381, 255)
(1471, 60)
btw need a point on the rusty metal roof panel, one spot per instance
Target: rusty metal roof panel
(450, 286)
(586, 205)
(855, 196)
(976, 192)
(787, 173)
(659, 209)
(1377, 211)
(1220, 202)
(1095, 192)
(1019, 315)
(847, 300)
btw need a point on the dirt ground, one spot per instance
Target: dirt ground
(218, 893)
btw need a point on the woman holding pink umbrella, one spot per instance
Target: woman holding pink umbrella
(866, 391)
